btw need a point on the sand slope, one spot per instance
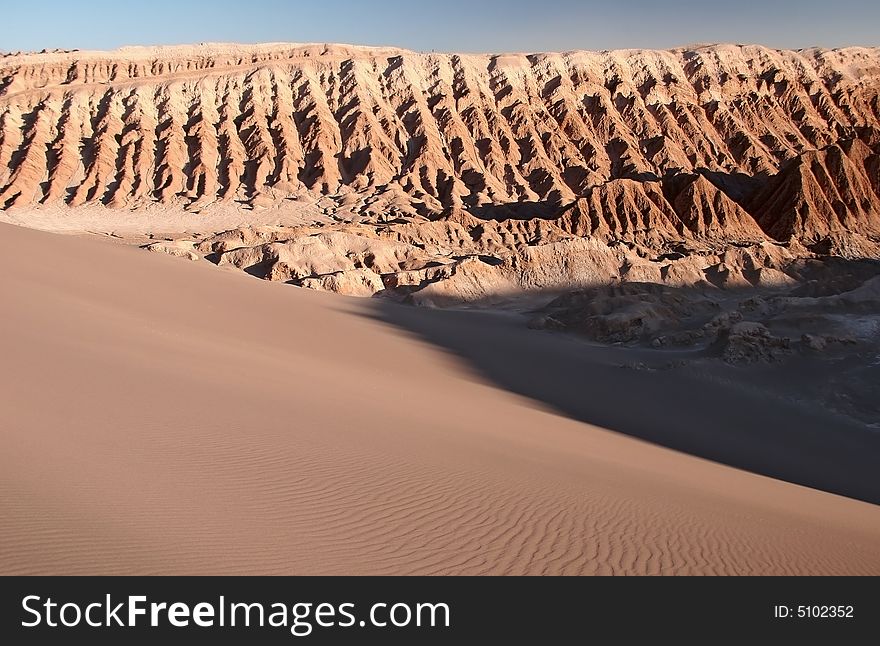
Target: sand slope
(161, 416)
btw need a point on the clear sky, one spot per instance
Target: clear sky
(442, 25)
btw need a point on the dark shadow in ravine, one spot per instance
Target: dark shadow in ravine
(728, 419)
(737, 186)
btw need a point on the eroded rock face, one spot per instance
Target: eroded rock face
(460, 259)
(834, 314)
(750, 342)
(354, 282)
(823, 197)
(177, 248)
(725, 144)
(642, 190)
(624, 313)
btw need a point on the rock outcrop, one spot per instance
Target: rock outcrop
(725, 143)
(443, 179)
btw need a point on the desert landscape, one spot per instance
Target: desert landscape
(331, 309)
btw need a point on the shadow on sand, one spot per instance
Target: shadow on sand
(719, 412)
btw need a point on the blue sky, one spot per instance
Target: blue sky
(442, 25)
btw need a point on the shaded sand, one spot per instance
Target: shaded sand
(161, 416)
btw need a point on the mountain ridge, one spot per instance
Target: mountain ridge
(715, 145)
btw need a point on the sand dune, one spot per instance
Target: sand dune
(161, 416)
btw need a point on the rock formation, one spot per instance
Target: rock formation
(450, 178)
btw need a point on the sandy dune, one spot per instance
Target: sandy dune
(161, 416)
